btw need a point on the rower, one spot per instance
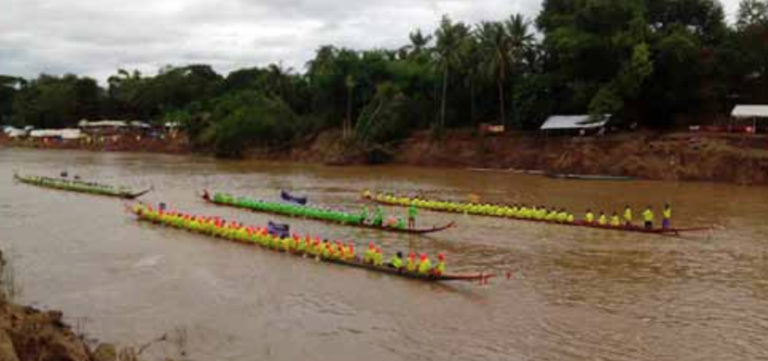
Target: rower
(439, 270)
(351, 251)
(628, 216)
(325, 250)
(367, 194)
(412, 212)
(603, 220)
(206, 196)
(589, 217)
(364, 215)
(396, 261)
(562, 217)
(378, 258)
(542, 212)
(411, 264)
(368, 255)
(552, 215)
(378, 218)
(615, 220)
(648, 217)
(424, 264)
(666, 216)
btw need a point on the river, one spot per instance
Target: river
(574, 294)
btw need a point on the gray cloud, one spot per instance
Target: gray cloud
(97, 37)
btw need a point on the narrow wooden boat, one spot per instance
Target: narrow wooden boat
(433, 229)
(81, 186)
(623, 228)
(143, 213)
(590, 177)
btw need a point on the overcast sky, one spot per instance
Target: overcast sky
(96, 37)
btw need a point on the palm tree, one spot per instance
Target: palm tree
(496, 45)
(450, 38)
(520, 39)
(278, 79)
(349, 83)
(418, 42)
(472, 64)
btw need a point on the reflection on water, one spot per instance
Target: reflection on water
(574, 294)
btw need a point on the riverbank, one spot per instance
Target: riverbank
(682, 156)
(29, 334)
(732, 158)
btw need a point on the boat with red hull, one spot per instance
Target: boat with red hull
(422, 231)
(583, 224)
(144, 213)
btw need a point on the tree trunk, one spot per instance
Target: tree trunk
(502, 115)
(445, 91)
(472, 101)
(348, 122)
(503, 119)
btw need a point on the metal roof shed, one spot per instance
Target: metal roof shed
(750, 111)
(574, 122)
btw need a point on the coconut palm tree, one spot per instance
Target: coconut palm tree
(495, 44)
(450, 38)
(520, 40)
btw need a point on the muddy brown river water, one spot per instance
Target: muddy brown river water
(575, 294)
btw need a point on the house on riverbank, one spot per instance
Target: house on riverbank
(756, 117)
(575, 125)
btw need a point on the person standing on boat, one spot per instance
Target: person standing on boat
(666, 214)
(396, 261)
(425, 265)
(648, 217)
(412, 213)
(627, 216)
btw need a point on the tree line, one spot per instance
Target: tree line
(649, 62)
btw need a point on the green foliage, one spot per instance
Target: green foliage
(648, 60)
(610, 98)
(386, 118)
(251, 119)
(9, 86)
(53, 102)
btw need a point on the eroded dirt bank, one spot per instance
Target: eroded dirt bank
(733, 158)
(671, 156)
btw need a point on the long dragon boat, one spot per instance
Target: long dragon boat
(320, 214)
(81, 186)
(506, 211)
(295, 245)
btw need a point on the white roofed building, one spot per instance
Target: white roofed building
(754, 113)
(579, 124)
